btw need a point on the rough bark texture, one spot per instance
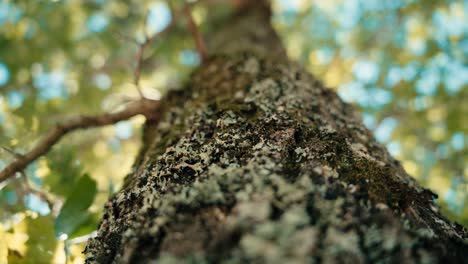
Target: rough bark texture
(256, 161)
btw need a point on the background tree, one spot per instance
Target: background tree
(42, 91)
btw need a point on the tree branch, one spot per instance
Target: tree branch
(201, 48)
(186, 10)
(12, 152)
(145, 107)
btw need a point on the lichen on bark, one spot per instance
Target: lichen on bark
(256, 161)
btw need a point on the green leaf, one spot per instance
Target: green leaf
(87, 226)
(75, 210)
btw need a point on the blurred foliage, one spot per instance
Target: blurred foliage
(74, 211)
(403, 62)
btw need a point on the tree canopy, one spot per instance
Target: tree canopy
(402, 62)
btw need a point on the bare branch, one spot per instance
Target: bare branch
(201, 48)
(141, 50)
(145, 25)
(137, 72)
(12, 152)
(144, 106)
(139, 56)
(186, 10)
(124, 37)
(30, 189)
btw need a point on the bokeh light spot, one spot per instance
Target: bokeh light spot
(15, 99)
(366, 71)
(102, 81)
(458, 141)
(124, 130)
(4, 74)
(189, 58)
(50, 85)
(384, 130)
(97, 22)
(36, 204)
(159, 17)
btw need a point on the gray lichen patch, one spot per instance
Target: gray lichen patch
(265, 164)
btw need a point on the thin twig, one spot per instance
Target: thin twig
(12, 152)
(140, 53)
(141, 50)
(144, 106)
(201, 48)
(137, 72)
(185, 10)
(145, 25)
(124, 37)
(30, 189)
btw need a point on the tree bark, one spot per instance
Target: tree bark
(256, 161)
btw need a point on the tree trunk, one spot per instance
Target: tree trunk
(255, 161)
